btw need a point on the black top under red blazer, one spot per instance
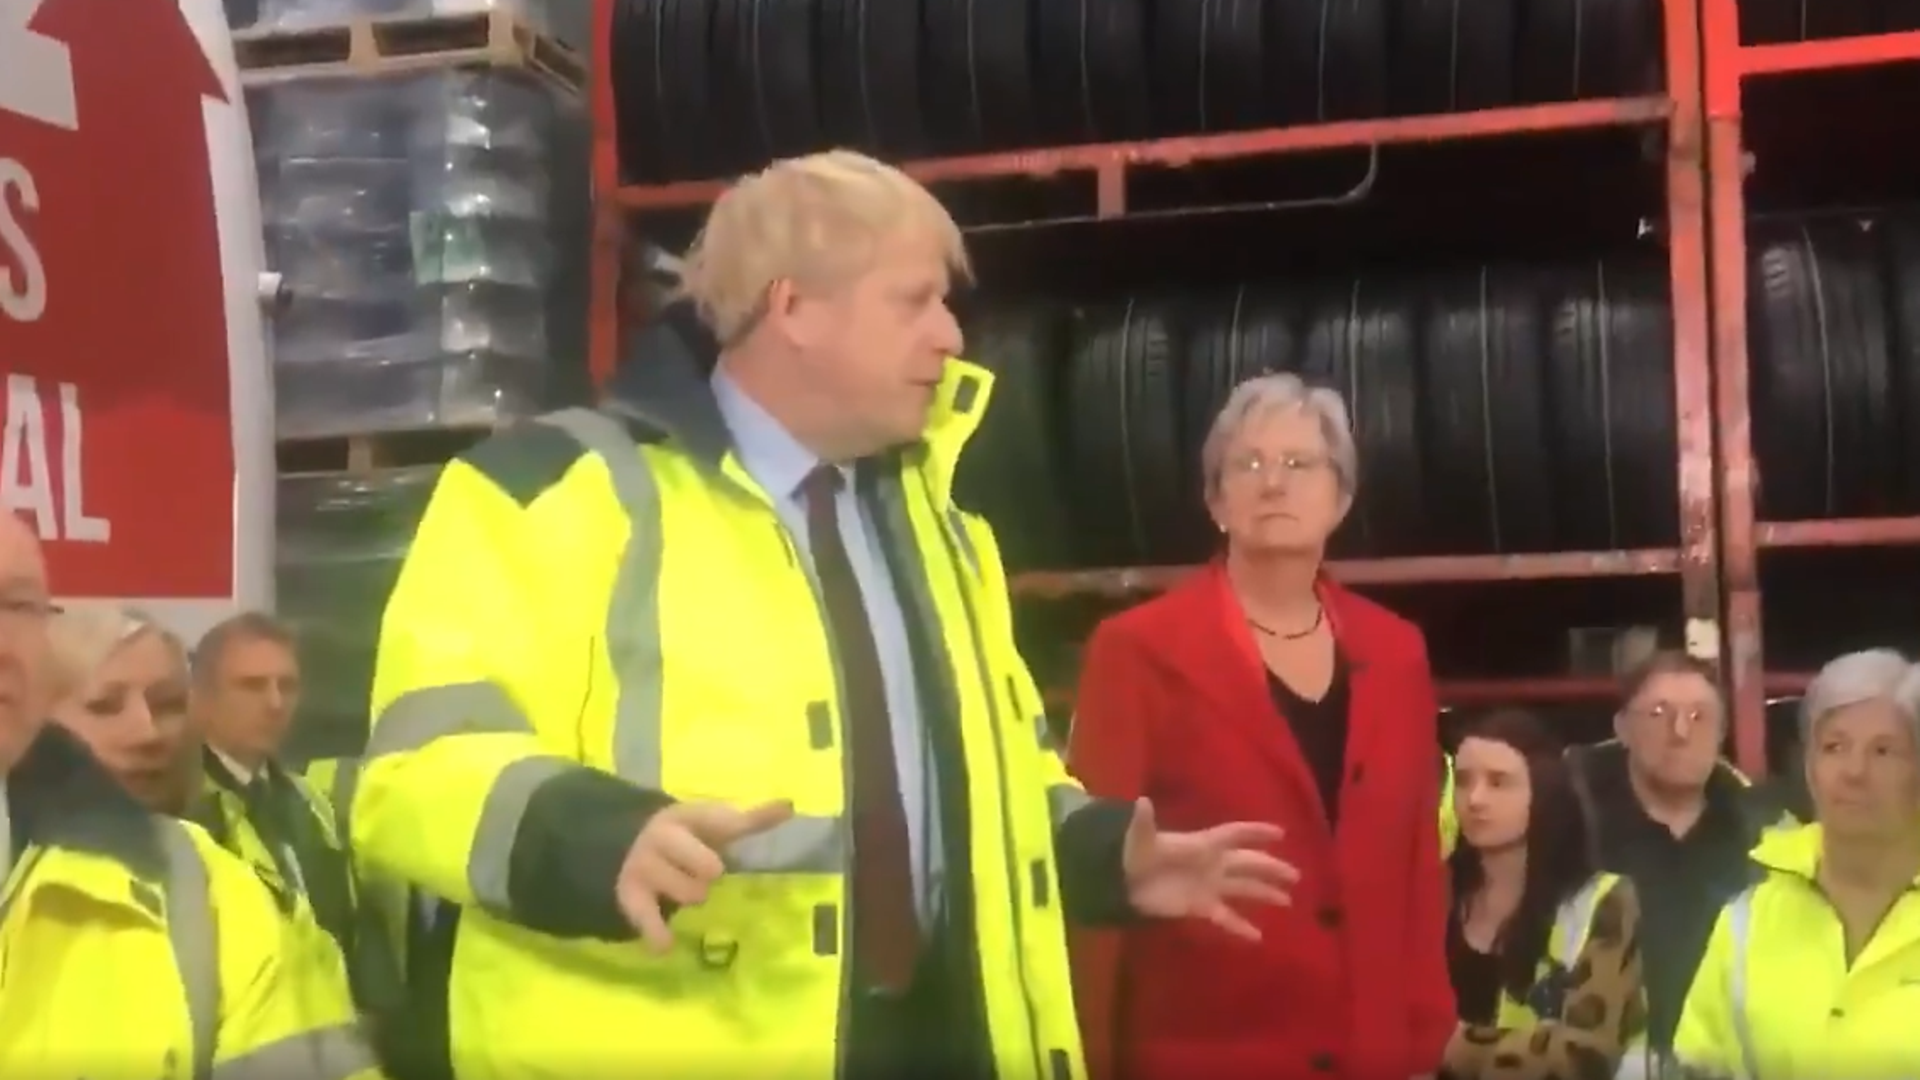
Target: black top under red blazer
(1348, 981)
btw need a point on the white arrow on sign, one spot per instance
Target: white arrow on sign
(36, 71)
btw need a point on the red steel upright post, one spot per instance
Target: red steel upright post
(1738, 477)
(1727, 65)
(1692, 371)
(609, 218)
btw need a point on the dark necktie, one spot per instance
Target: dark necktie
(886, 928)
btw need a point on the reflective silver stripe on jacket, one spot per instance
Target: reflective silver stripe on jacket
(1576, 917)
(1740, 930)
(1064, 800)
(333, 1053)
(346, 780)
(803, 844)
(1638, 1061)
(196, 944)
(417, 718)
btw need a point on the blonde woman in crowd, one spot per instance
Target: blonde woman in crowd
(118, 683)
(1814, 971)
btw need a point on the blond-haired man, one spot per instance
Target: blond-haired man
(719, 666)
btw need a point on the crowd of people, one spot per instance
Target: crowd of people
(700, 745)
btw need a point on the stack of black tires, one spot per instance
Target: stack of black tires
(1768, 22)
(711, 87)
(1498, 408)
(1834, 331)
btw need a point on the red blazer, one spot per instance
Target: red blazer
(1349, 981)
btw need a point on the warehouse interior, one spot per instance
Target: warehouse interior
(1621, 292)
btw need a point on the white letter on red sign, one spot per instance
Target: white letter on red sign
(80, 527)
(26, 299)
(23, 449)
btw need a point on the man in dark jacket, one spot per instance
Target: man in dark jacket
(1670, 813)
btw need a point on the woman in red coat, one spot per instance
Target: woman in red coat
(1259, 690)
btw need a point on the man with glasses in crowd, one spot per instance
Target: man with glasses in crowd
(1669, 812)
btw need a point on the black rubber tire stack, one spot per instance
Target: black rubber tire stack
(1485, 416)
(1454, 55)
(1362, 339)
(1209, 65)
(1900, 272)
(1609, 365)
(1123, 430)
(869, 55)
(705, 88)
(1326, 59)
(978, 83)
(766, 102)
(1571, 49)
(1013, 470)
(1766, 22)
(1091, 60)
(660, 74)
(1232, 336)
(1824, 431)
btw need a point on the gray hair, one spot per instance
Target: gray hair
(1859, 677)
(1282, 391)
(231, 631)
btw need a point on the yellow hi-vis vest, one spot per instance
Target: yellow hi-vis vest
(135, 947)
(381, 915)
(643, 612)
(1571, 924)
(1449, 818)
(1774, 997)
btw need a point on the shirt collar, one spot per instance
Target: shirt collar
(766, 449)
(240, 772)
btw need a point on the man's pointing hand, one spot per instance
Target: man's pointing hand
(679, 855)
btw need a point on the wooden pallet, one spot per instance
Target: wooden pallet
(374, 451)
(403, 45)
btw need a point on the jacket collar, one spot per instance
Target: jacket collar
(1205, 598)
(1795, 851)
(60, 797)
(221, 775)
(1604, 767)
(664, 393)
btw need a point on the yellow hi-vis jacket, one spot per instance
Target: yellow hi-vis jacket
(1586, 1005)
(577, 607)
(313, 864)
(1775, 999)
(321, 938)
(381, 917)
(136, 948)
(1571, 924)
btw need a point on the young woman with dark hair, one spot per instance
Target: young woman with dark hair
(1542, 949)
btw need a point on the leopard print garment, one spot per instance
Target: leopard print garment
(1605, 1009)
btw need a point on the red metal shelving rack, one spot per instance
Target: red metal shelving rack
(1728, 66)
(1679, 111)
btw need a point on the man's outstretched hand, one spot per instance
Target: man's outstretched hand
(1173, 875)
(678, 856)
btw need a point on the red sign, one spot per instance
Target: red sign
(116, 443)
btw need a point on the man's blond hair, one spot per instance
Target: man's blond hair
(815, 220)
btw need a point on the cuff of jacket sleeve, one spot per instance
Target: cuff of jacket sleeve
(573, 840)
(1089, 846)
